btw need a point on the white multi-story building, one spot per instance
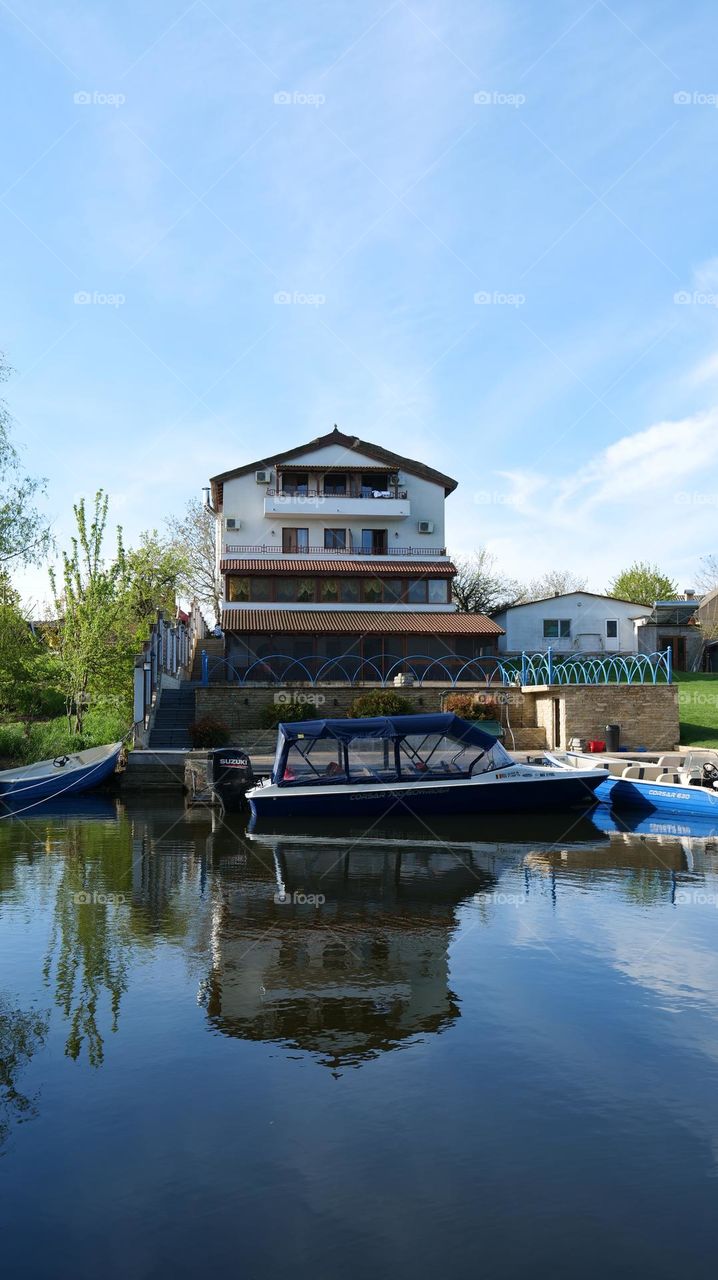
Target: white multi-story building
(334, 552)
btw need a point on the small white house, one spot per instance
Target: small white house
(577, 622)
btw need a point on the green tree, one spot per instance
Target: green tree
(28, 670)
(156, 570)
(24, 533)
(95, 640)
(642, 583)
(194, 536)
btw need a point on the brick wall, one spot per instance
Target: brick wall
(242, 708)
(647, 714)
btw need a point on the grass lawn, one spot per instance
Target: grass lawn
(698, 703)
(50, 738)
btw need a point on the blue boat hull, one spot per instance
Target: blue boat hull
(506, 797)
(625, 793)
(48, 786)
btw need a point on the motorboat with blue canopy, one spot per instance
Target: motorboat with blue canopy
(427, 763)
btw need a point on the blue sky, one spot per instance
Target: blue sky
(384, 165)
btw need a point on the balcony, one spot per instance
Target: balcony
(319, 504)
(241, 551)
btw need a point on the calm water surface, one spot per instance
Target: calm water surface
(472, 1051)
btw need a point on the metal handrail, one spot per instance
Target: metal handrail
(401, 495)
(272, 552)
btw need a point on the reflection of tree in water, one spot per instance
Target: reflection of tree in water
(21, 1035)
(87, 956)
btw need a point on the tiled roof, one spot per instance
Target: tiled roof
(334, 566)
(315, 621)
(352, 445)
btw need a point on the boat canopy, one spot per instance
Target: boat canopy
(442, 742)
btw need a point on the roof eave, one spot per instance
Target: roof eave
(350, 442)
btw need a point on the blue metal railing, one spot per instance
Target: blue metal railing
(528, 669)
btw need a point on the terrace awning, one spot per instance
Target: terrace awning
(314, 622)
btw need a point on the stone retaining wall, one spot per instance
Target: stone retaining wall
(647, 714)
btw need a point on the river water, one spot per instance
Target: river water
(483, 1049)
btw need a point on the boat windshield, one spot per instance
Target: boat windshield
(437, 753)
(412, 758)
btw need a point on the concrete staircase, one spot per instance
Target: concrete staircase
(175, 713)
(214, 648)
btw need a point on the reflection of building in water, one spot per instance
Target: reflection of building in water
(357, 974)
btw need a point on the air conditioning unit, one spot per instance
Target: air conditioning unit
(263, 477)
(231, 523)
(426, 526)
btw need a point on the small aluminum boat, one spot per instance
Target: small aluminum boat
(63, 776)
(423, 764)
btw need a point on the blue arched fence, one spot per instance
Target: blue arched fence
(529, 669)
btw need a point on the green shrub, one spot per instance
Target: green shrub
(472, 706)
(37, 702)
(287, 712)
(209, 731)
(381, 702)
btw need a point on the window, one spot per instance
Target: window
(260, 588)
(372, 760)
(319, 760)
(349, 590)
(238, 589)
(438, 591)
(329, 592)
(555, 628)
(427, 755)
(296, 482)
(373, 541)
(393, 590)
(286, 590)
(611, 629)
(335, 484)
(416, 591)
(372, 590)
(289, 590)
(335, 539)
(371, 484)
(295, 539)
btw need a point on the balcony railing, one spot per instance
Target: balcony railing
(373, 494)
(231, 549)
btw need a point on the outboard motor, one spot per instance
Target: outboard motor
(232, 775)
